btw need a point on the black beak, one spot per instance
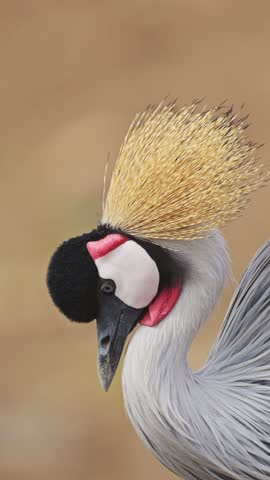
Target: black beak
(115, 320)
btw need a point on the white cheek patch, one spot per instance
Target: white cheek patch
(134, 272)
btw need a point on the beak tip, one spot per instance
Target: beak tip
(105, 384)
(105, 374)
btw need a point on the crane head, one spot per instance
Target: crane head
(180, 173)
(116, 279)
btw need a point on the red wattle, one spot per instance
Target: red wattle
(161, 305)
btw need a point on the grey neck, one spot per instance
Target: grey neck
(158, 385)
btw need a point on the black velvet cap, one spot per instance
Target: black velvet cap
(72, 277)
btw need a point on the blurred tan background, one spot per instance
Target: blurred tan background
(73, 74)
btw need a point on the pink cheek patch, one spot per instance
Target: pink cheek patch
(161, 305)
(99, 248)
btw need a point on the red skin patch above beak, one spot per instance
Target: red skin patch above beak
(101, 247)
(161, 305)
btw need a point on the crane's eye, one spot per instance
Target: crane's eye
(108, 287)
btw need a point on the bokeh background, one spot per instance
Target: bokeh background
(73, 74)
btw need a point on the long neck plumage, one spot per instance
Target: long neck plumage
(155, 370)
(207, 265)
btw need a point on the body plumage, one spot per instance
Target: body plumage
(212, 423)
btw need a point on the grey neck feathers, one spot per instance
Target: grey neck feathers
(159, 388)
(166, 345)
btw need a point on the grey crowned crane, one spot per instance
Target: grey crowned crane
(158, 261)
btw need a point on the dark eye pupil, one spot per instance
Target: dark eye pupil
(107, 288)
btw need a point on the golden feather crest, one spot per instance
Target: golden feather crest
(181, 172)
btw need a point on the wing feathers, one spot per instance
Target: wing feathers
(244, 337)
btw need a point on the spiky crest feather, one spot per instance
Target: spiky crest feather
(181, 172)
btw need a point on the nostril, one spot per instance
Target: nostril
(105, 341)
